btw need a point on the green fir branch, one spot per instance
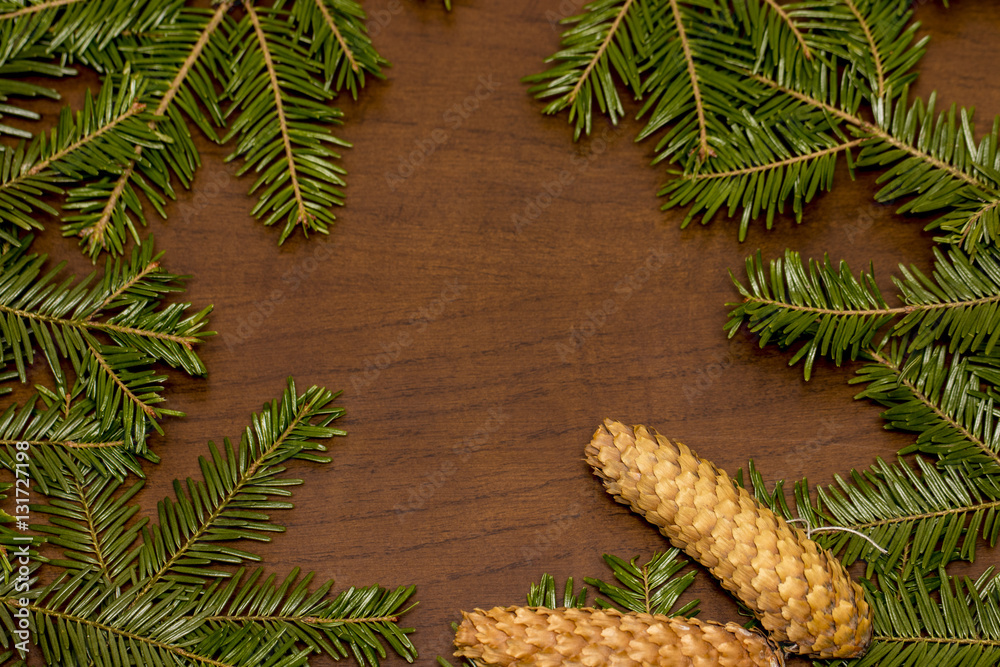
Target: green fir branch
(786, 17)
(90, 521)
(932, 159)
(95, 141)
(840, 315)
(66, 26)
(356, 623)
(75, 429)
(278, 69)
(650, 588)
(605, 37)
(337, 34)
(900, 517)
(38, 38)
(658, 49)
(131, 593)
(182, 62)
(195, 531)
(283, 124)
(755, 101)
(942, 392)
(111, 332)
(85, 622)
(948, 403)
(913, 628)
(837, 313)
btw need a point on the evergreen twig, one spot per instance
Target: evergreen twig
(131, 592)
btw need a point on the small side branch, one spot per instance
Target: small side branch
(56, 615)
(311, 620)
(103, 363)
(224, 501)
(600, 51)
(34, 9)
(876, 57)
(71, 444)
(878, 132)
(95, 234)
(775, 165)
(899, 310)
(704, 150)
(941, 414)
(974, 220)
(332, 25)
(293, 177)
(136, 108)
(149, 268)
(780, 11)
(187, 341)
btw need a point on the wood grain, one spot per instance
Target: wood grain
(451, 331)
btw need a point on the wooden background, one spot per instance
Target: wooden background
(450, 330)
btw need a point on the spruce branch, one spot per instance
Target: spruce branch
(599, 54)
(355, 622)
(612, 36)
(658, 49)
(903, 517)
(72, 27)
(335, 31)
(301, 214)
(704, 151)
(283, 123)
(182, 62)
(779, 91)
(650, 588)
(38, 38)
(935, 163)
(876, 57)
(949, 404)
(5, 565)
(75, 638)
(800, 37)
(110, 605)
(337, 34)
(95, 134)
(225, 506)
(839, 314)
(78, 431)
(974, 227)
(729, 185)
(91, 522)
(95, 141)
(193, 61)
(912, 628)
(942, 392)
(34, 9)
(776, 165)
(784, 16)
(111, 331)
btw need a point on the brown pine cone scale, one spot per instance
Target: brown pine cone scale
(800, 592)
(540, 637)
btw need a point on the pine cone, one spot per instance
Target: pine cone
(801, 593)
(541, 637)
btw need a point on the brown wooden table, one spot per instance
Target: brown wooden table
(469, 399)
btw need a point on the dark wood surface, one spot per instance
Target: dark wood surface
(451, 331)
